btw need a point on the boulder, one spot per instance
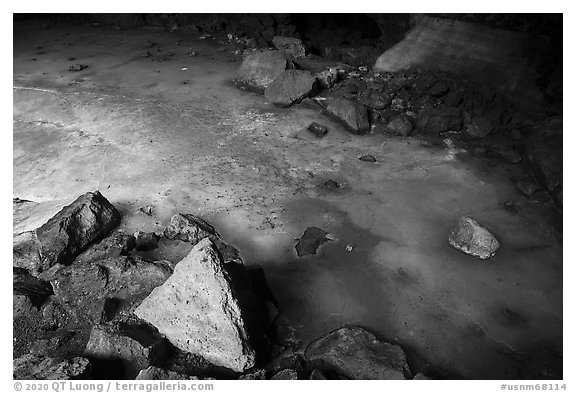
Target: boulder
(260, 68)
(479, 127)
(399, 125)
(189, 228)
(96, 291)
(47, 368)
(327, 78)
(198, 312)
(153, 373)
(291, 46)
(355, 353)
(58, 241)
(473, 239)
(290, 87)
(312, 238)
(440, 119)
(113, 246)
(352, 114)
(35, 289)
(120, 352)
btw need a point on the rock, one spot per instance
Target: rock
(317, 375)
(96, 291)
(258, 375)
(479, 128)
(120, 352)
(289, 45)
(473, 239)
(35, 289)
(352, 114)
(77, 67)
(46, 368)
(189, 228)
(374, 99)
(399, 125)
(113, 246)
(331, 185)
(440, 119)
(287, 374)
(147, 210)
(506, 154)
(288, 361)
(438, 89)
(367, 158)
(421, 376)
(312, 238)
(21, 306)
(398, 104)
(260, 68)
(526, 187)
(355, 353)
(154, 373)
(88, 219)
(198, 313)
(146, 241)
(318, 130)
(290, 87)
(354, 86)
(327, 78)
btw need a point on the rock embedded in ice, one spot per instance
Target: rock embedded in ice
(352, 114)
(473, 239)
(198, 312)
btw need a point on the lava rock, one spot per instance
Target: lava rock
(479, 128)
(35, 289)
(399, 125)
(59, 241)
(473, 239)
(47, 368)
(189, 228)
(198, 312)
(116, 245)
(318, 130)
(120, 352)
(352, 114)
(260, 68)
(290, 87)
(96, 291)
(287, 374)
(312, 238)
(291, 46)
(327, 78)
(153, 373)
(355, 353)
(440, 119)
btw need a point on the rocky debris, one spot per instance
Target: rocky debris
(47, 368)
(327, 78)
(35, 289)
(399, 125)
(441, 119)
(86, 220)
(318, 129)
(291, 46)
(257, 375)
(113, 246)
(198, 312)
(286, 374)
(351, 114)
(146, 241)
(473, 239)
(288, 361)
(312, 238)
(119, 352)
(94, 292)
(189, 228)
(479, 128)
(355, 353)
(21, 306)
(367, 158)
(375, 99)
(153, 373)
(260, 68)
(77, 67)
(290, 87)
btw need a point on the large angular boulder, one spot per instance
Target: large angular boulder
(94, 292)
(260, 68)
(434, 121)
(352, 114)
(189, 228)
(35, 289)
(58, 241)
(473, 239)
(47, 368)
(290, 87)
(198, 312)
(122, 351)
(355, 353)
(291, 46)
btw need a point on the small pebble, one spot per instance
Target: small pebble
(367, 158)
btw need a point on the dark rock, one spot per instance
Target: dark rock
(398, 104)
(286, 374)
(92, 292)
(526, 187)
(317, 129)
(258, 375)
(88, 219)
(354, 86)
(290, 87)
(473, 239)
(146, 241)
(153, 373)
(47, 368)
(198, 312)
(35, 289)
(317, 375)
(437, 120)
(77, 67)
(189, 228)
(374, 99)
(260, 68)
(288, 360)
(480, 127)
(312, 238)
(399, 125)
(355, 353)
(147, 210)
(113, 246)
(367, 158)
(331, 185)
(327, 78)
(121, 352)
(421, 376)
(291, 46)
(351, 114)
(22, 306)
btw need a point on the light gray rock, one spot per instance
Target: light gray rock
(46, 368)
(197, 311)
(352, 114)
(355, 353)
(156, 373)
(189, 228)
(290, 87)
(260, 68)
(473, 239)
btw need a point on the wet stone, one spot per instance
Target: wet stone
(312, 238)
(317, 129)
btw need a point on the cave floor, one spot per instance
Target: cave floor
(171, 131)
